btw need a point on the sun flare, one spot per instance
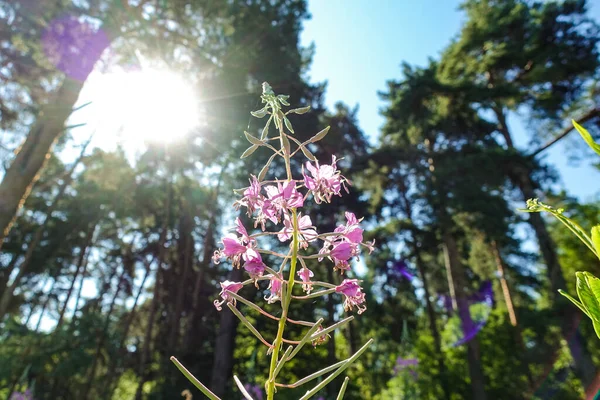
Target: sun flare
(147, 105)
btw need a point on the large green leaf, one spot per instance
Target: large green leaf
(596, 328)
(587, 297)
(594, 284)
(587, 137)
(596, 239)
(575, 301)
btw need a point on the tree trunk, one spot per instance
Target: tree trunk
(460, 301)
(121, 353)
(429, 305)
(209, 248)
(44, 306)
(101, 338)
(145, 356)
(437, 341)
(512, 315)
(33, 153)
(503, 126)
(35, 303)
(80, 261)
(505, 290)
(186, 252)
(223, 359)
(80, 290)
(6, 273)
(37, 237)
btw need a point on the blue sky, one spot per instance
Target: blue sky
(361, 44)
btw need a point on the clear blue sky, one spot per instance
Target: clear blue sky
(360, 45)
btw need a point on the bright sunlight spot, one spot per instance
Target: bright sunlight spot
(147, 105)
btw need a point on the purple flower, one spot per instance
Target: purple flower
(402, 268)
(254, 266)
(225, 287)
(236, 248)
(255, 390)
(252, 199)
(409, 364)
(280, 199)
(233, 250)
(351, 231)
(353, 293)
(305, 274)
(341, 253)
(325, 181)
(307, 233)
(275, 286)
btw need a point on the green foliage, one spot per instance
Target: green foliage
(587, 285)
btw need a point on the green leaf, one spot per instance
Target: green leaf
(319, 135)
(307, 153)
(594, 285)
(283, 99)
(194, 381)
(300, 111)
(259, 113)
(253, 140)
(265, 130)
(333, 375)
(586, 296)
(340, 395)
(575, 301)
(288, 124)
(263, 171)
(587, 137)
(243, 390)
(286, 143)
(596, 239)
(249, 151)
(596, 328)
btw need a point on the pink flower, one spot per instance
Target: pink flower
(305, 274)
(341, 251)
(351, 231)
(252, 199)
(281, 198)
(353, 293)
(231, 287)
(341, 254)
(255, 266)
(242, 231)
(307, 233)
(275, 287)
(233, 249)
(325, 181)
(236, 248)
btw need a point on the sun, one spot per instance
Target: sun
(137, 107)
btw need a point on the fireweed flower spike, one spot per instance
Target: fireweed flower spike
(275, 205)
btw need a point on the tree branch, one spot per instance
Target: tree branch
(594, 112)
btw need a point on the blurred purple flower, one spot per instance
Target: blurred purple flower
(471, 328)
(402, 268)
(255, 391)
(408, 364)
(26, 395)
(73, 46)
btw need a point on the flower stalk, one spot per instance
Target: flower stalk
(285, 305)
(275, 202)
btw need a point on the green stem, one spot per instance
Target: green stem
(285, 302)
